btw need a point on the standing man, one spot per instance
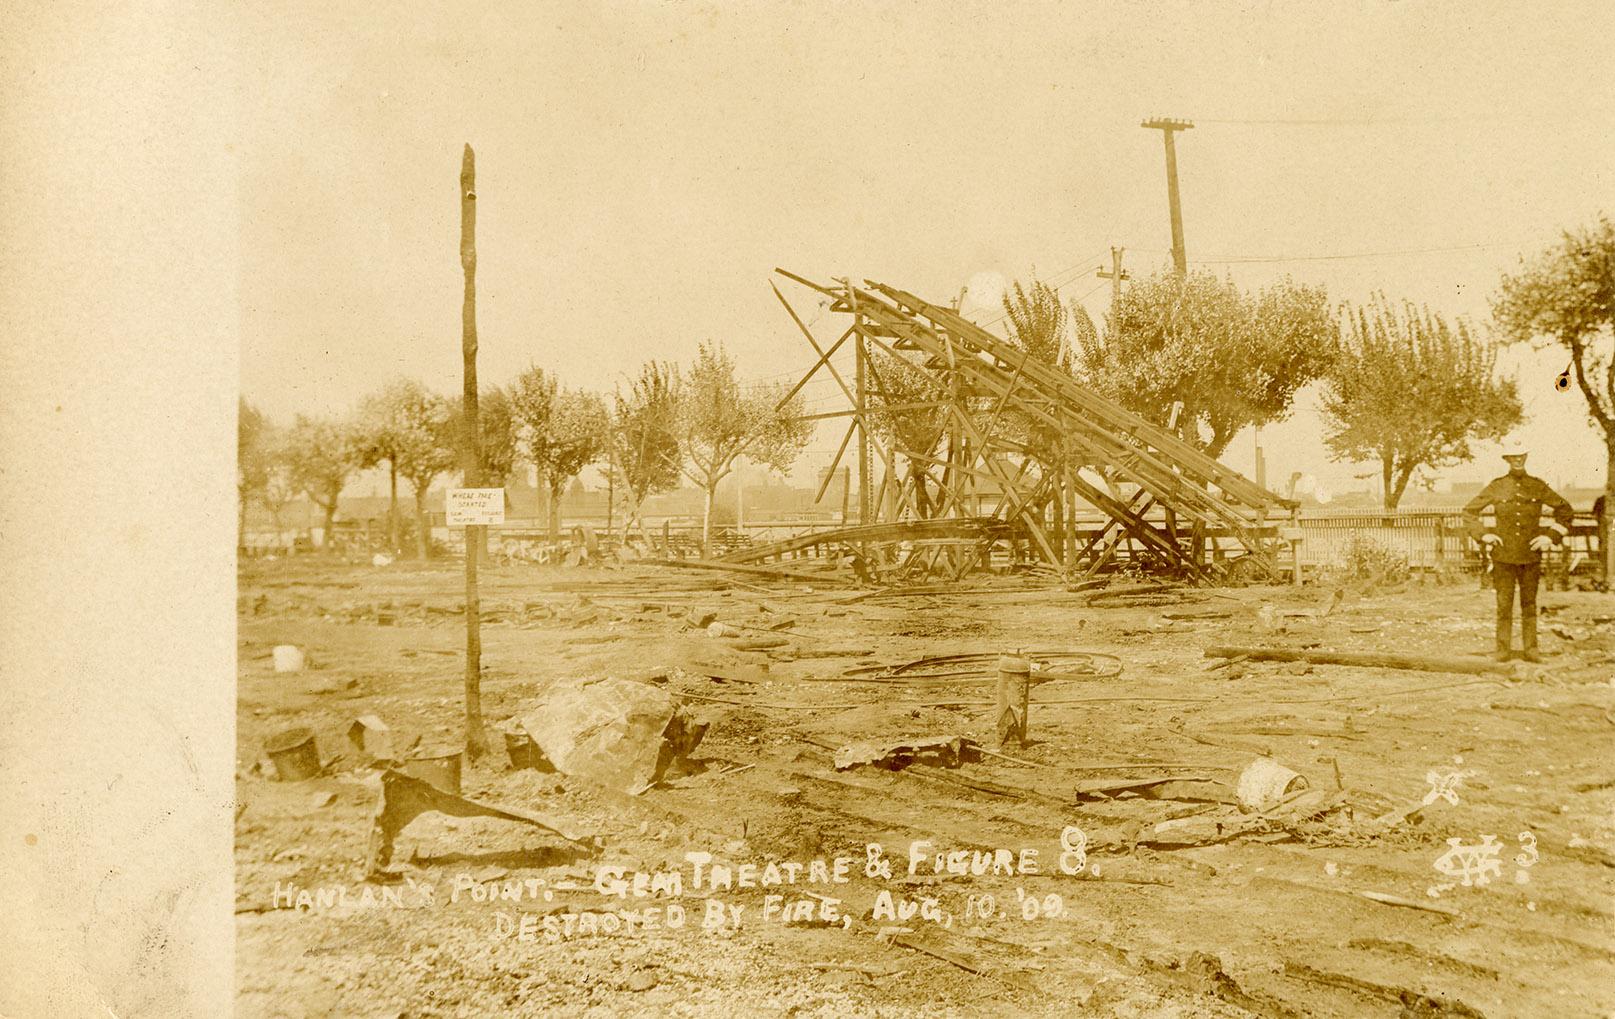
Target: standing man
(1517, 542)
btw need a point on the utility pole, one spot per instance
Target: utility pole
(476, 741)
(1115, 275)
(1168, 128)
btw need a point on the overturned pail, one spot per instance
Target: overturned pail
(294, 753)
(439, 770)
(1265, 782)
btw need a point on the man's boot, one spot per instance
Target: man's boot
(1502, 654)
(1530, 655)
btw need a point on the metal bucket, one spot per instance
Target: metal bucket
(441, 771)
(294, 753)
(1264, 783)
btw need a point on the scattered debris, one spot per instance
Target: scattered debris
(381, 559)
(936, 751)
(760, 571)
(957, 956)
(1407, 1001)
(1397, 900)
(320, 800)
(1191, 788)
(1468, 664)
(622, 734)
(1047, 667)
(725, 673)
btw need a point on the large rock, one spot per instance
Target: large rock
(617, 732)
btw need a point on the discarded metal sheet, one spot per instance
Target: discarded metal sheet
(404, 798)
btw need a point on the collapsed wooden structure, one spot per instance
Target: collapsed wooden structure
(982, 448)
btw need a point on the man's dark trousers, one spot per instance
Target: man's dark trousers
(1505, 577)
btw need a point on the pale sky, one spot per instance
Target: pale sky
(643, 167)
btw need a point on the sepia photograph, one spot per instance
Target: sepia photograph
(901, 509)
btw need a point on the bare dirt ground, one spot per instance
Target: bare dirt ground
(1263, 916)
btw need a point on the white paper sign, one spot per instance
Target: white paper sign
(468, 506)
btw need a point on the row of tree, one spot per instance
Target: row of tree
(696, 423)
(1401, 384)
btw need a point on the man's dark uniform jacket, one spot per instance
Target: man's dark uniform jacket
(1517, 502)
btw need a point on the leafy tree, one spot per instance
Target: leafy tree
(496, 431)
(644, 446)
(412, 429)
(279, 487)
(1411, 391)
(719, 420)
(1565, 297)
(1041, 326)
(320, 455)
(1232, 359)
(561, 432)
(1039, 323)
(252, 459)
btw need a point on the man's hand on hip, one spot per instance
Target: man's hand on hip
(1541, 543)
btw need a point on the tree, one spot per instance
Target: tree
(644, 446)
(279, 487)
(1412, 391)
(497, 433)
(411, 428)
(1233, 360)
(252, 459)
(1038, 323)
(1565, 297)
(320, 455)
(561, 431)
(719, 419)
(1041, 326)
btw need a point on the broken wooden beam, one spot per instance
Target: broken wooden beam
(1473, 665)
(759, 571)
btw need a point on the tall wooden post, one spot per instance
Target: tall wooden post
(476, 741)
